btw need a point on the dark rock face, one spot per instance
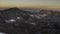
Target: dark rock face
(16, 21)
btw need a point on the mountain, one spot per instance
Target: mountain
(18, 21)
(13, 12)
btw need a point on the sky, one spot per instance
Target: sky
(30, 3)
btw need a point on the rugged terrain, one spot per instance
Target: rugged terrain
(17, 21)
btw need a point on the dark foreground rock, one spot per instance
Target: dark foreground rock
(16, 21)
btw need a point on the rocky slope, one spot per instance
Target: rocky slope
(17, 21)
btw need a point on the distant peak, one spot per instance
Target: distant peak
(14, 8)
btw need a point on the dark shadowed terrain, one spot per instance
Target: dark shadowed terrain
(17, 21)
